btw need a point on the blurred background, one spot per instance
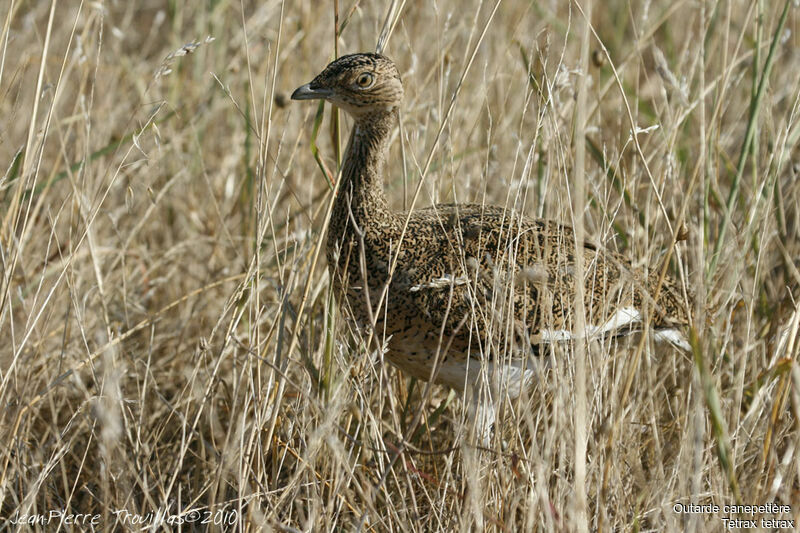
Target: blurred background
(168, 338)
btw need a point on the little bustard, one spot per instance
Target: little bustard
(474, 287)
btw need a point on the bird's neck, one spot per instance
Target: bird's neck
(361, 190)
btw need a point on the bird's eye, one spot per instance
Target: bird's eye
(364, 80)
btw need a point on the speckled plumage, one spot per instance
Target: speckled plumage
(472, 283)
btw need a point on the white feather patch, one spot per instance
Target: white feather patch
(622, 318)
(440, 283)
(674, 337)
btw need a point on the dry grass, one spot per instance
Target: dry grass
(167, 343)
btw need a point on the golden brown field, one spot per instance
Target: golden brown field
(170, 350)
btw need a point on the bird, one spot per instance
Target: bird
(466, 294)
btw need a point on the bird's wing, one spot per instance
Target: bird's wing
(501, 279)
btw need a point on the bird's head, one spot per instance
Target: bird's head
(360, 84)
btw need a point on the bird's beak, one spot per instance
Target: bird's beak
(306, 92)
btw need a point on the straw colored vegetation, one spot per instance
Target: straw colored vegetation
(169, 338)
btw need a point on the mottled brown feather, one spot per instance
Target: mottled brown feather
(472, 283)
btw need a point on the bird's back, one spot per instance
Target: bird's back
(480, 283)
